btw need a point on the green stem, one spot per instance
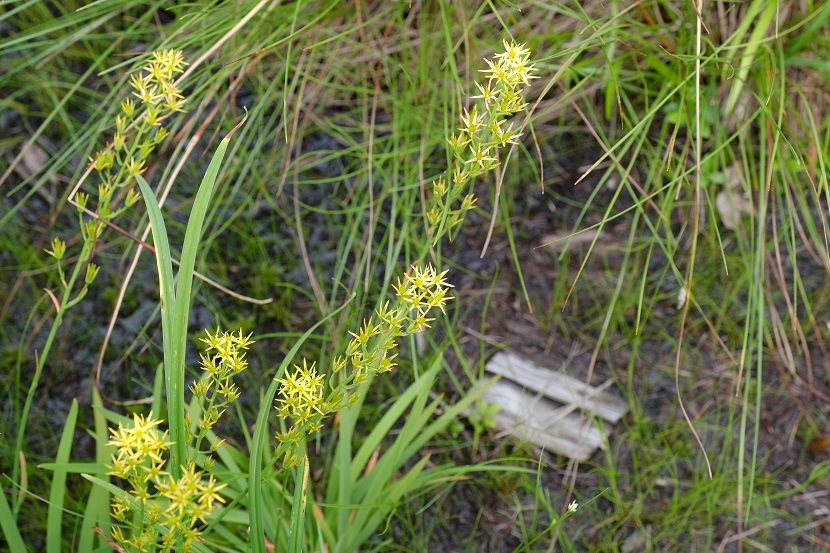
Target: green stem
(41, 363)
(203, 431)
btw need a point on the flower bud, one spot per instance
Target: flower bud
(91, 272)
(58, 248)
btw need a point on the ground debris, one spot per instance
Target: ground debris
(550, 409)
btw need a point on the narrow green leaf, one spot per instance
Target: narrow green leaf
(9, 526)
(295, 534)
(382, 427)
(367, 520)
(107, 485)
(372, 487)
(74, 468)
(759, 28)
(158, 391)
(98, 502)
(111, 416)
(370, 491)
(58, 489)
(168, 300)
(181, 310)
(449, 415)
(343, 457)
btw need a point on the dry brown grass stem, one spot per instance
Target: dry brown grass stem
(696, 215)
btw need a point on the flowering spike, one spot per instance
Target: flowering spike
(482, 131)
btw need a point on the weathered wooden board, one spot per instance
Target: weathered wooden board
(548, 408)
(539, 421)
(557, 386)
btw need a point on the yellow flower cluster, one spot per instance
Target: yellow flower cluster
(481, 134)
(301, 394)
(228, 353)
(190, 498)
(421, 291)
(158, 96)
(369, 352)
(140, 449)
(155, 88)
(168, 509)
(224, 359)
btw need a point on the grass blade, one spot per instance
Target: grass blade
(168, 300)
(396, 411)
(7, 523)
(58, 489)
(98, 502)
(296, 535)
(181, 308)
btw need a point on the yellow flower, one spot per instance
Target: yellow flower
(172, 60)
(138, 442)
(506, 136)
(118, 142)
(159, 72)
(153, 115)
(487, 93)
(301, 394)
(458, 142)
(514, 53)
(471, 122)
(522, 72)
(161, 133)
(482, 158)
(182, 492)
(460, 176)
(210, 494)
(128, 107)
(424, 289)
(58, 249)
(499, 72)
(135, 167)
(144, 89)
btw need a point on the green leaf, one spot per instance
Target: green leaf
(7, 523)
(75, 468)
(168, 298)
(158, 391)
(367, 520)
(181, 308)
(98, 502)
(296, 535)
(58, 489)
(384, 426)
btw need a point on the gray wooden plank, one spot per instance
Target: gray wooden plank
(557, 386)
